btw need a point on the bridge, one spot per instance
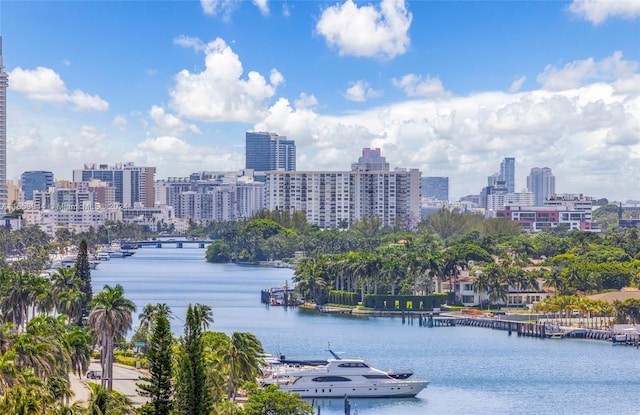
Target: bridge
(177, 243)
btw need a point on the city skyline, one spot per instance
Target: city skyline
(448, 88)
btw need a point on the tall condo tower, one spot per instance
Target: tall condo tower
(508, 173)
(4, 83)
(266, 151)
(542, 183)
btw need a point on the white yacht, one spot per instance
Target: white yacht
(338, 378)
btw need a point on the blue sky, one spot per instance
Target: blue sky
(448, 87)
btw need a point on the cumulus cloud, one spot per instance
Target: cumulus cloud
(360, 91)
(306, 101)
(576, 73)
(466, 137)
(219, 92)
(45, 85)
(597, 11)
(174, 156)
(170, 124)
(415, 86)
(372, 31)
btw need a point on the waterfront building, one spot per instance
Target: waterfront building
(336, 199)
(50, 220)
(210, 196)
(4, 83)
(435, 188)
(542, 183)
(265, 151)
(134, 185)
(33, 180)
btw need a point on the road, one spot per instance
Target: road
(124, 381)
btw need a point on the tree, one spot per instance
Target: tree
(205, 315)
(105, 402)
(110, 318)
(218, 252)
(241, 355)
(83, 272)
(271, 401)
(192, 392)
(157, 385)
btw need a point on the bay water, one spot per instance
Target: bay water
(473, 371)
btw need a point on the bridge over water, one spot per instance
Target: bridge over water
(174, 243)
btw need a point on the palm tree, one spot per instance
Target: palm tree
(481, 285)
(204, 314)
(110, 318)
(78, 341)
(107, 402)
(242, 356)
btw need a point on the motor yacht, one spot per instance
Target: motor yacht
(338, 378)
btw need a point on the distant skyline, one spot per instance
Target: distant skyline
(450, 88)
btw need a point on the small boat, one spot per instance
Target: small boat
(102, 256)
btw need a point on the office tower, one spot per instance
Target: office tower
(542, 183)
(435, 187)
(134, 185)
(36, 180)
(266, 151)
(4, 83)
(371, 160)
(508, 173)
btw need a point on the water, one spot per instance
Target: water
(473, 371)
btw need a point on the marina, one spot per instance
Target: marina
(471, 369)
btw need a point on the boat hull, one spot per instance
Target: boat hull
(381, 390)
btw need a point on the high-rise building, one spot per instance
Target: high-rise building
(435, 188)
(35, 180)
(4, 83)
(508, 173)
(134, 185)
(336, 199)
(371, 160)
(266, 151)
(542, 183)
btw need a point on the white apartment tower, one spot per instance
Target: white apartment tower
(336, 199)
(4, 83)
(542, 183)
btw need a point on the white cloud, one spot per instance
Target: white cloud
(360, 91)
(168, 124)
(45, 85)
(219, 93)
(263, 6)
(367, 31)
(415, 86)
(517, 84)
(306, 101)
(219, 7)
(576, 73)
(597, 11)
(465, 137)
(176, 157)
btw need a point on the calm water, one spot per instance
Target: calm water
(472, 370)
